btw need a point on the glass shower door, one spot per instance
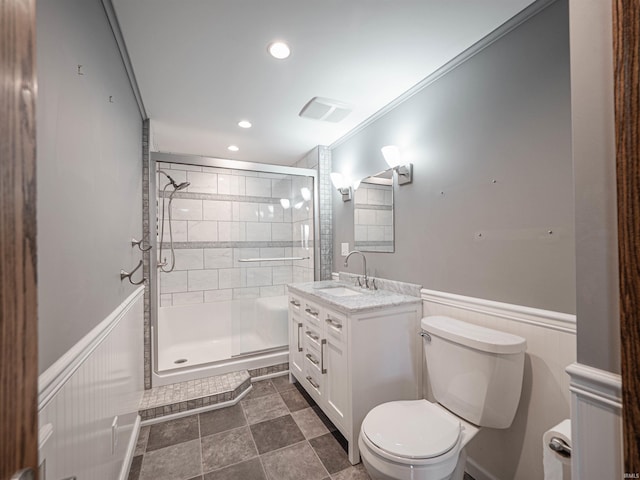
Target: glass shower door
(279, 251)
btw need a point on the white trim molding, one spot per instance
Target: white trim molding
(596, 423)
(562, 322)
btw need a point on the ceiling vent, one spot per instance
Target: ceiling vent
(325, 109)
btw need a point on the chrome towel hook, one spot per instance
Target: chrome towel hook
(138, 243)
(128, 275)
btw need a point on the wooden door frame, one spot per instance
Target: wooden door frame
(18, 294)
(626, 54)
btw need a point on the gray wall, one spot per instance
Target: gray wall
(595, 184)
(89, 174)
(502, 115)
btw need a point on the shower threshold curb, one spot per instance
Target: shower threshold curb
(193, 394)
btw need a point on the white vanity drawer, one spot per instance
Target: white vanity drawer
(313, 382)
(311, 312)
(313, 359)
(295, 304)
(335, 326)
(312, 336)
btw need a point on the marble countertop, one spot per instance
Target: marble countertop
(368, 300)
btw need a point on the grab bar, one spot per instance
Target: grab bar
(138, 243)
(128, 275)
(272, 259)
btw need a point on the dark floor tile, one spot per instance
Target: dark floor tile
(264, 408)
(294, 400)
(134, 470)
(172, 432)
(260, 389)
(227, 448)
(276, 433)
(217, 421)
(330, 453)
(249, 470)
(356, 472)
(143, 438)
(177, 462)
(467, 476)
(297, 462)
(282, 383)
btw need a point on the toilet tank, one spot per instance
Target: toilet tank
(475, 372)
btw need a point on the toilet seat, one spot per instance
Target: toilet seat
(411, 431)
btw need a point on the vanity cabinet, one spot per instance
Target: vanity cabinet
(350, 360)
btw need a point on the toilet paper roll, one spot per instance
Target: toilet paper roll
(556, 466)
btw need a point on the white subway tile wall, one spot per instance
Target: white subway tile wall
(225, 216)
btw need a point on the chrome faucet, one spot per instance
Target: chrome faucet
(364, 264)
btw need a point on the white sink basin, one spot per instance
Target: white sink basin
(340, 292)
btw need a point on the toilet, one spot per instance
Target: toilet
(475, 374)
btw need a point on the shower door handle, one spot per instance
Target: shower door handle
(299, 327)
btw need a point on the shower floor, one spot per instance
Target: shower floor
(206, 333)
(192, 353)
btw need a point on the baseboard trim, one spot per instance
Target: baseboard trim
(54, 378)
(131, 449)
(476, 471)
(562, 322)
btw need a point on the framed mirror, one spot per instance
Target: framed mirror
(373, 214)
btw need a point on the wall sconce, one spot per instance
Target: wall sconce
(391, 154)
(344, 186)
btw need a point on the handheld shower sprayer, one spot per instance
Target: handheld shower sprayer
(176, 186)
(162, 263)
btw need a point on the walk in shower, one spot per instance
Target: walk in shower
(238, 234)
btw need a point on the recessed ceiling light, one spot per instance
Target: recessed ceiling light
(233, 148)
(279, 50)
(244, 124)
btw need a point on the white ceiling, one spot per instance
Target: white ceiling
(202, 65)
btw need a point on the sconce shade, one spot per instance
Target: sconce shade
(339, 181)
(391, 154)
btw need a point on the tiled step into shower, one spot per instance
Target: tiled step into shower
(178, 398)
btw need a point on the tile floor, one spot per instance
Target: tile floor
(275, 433)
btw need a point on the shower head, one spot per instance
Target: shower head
(176, 186)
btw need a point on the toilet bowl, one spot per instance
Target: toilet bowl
(414, 440)
(476, 377)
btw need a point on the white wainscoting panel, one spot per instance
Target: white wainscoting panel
(516, 452)
(88, 400)
(596, 426)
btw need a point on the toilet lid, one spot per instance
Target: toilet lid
(412, 429)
